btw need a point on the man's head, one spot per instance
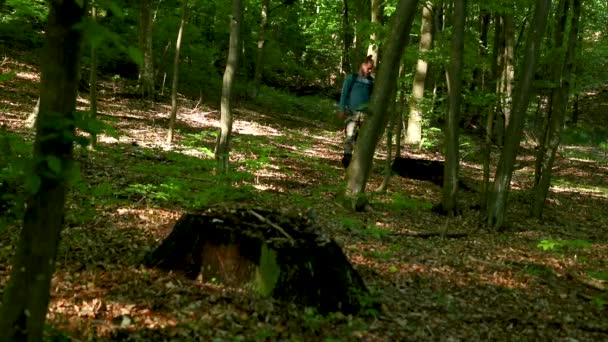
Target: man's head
(367, 67)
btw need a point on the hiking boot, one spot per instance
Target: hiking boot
(346, 160)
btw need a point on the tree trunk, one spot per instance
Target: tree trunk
(502, 181)
(26, 295)
(542, 125)
(146, 72)
(222, 148)
(400, 122)
(361, 15)
(358, 171)
(377, 15)
(454, 79)
(474, 111)
(347, 40)
(508, 68)
(259, 62)
(414, 122)
(563, 78)
(389, 139)
(93, 82)
(178, 45)
(493, 112)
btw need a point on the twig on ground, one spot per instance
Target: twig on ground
(433, 234)
(273, 225)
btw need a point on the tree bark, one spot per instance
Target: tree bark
(508, 71)
(502, 181)
(389, 139)
(259, 62)
(26, 295)
(358, 170)
(377, 16)
(454, 80)
(361, 15)
(347, 40)
(414, 123)
(222, 149)
(178, 45)
(563, 80)
(93, 82)
(146, 72)
(400, 122)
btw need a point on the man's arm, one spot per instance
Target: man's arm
(345, 89)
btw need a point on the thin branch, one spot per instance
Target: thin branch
(273, 225)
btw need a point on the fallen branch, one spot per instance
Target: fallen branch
(273, 225)
(589, 281)
(433, 234)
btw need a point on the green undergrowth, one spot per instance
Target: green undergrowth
(310, 107)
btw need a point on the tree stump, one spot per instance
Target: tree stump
(278, 254)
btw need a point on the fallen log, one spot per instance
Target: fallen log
(422, 169)
(278, 254)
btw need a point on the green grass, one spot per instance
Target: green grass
(401, 203)
(565, 183)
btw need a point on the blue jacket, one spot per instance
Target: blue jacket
(357, 99)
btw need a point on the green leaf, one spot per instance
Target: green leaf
(7, 76)
(599, 275)
(267, 274)
(112, 6)
(32, 183)
(54, 164)
(136, 55)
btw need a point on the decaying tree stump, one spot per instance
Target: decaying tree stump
(282, 255)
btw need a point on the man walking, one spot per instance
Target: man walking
(354, 102)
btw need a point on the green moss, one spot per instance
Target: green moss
(267, 273)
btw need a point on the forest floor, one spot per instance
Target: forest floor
(484, 285)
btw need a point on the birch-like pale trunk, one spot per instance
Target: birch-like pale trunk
(414, 122)
(178, 45)
(222, 148)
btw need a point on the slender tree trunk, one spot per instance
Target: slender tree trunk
(93, 81)
(361, 15)
(506, 66)
(358, 170)
(146, 72)
(178, 45)
(454, 79)
(389, 139)
(377, 14)
(508, 71)
(259, 62)
(414, 123)
(222, 148)
(478, 84)
(492, 112)
(502, 181)
(563, 79)
(400, 122)
(542, 126)
(347, 40)
(26, 295)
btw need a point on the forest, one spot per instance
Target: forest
(303, 170)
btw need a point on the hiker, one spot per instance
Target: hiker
(356, 93)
